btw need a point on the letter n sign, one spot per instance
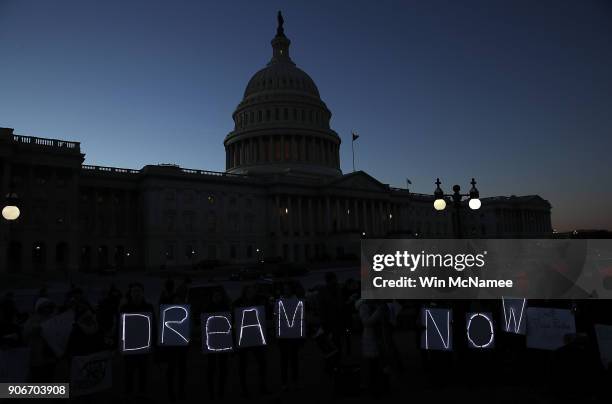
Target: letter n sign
(437, 333)
(135, 332)
(289, 318)
(174, 324)
(250, 326)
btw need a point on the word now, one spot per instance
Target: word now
(545, 328)
(174, 327)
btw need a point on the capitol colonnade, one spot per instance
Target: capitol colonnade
(283, 148)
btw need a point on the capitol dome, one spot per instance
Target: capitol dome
(281, 126)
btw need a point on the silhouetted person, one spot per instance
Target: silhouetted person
(372, 314)
(217, 361)
(183, 289)
(10, 332)
(108, 315)
(136, 365)
(350, 295)
(330, 307)
(250, 298)
(86, 337)
(289, 347)
(175, 356)
(42, 358)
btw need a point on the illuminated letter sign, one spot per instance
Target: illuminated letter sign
(250, 326)
(437, 333)
(514, 312)
(290, 318)
(479, 329)
(135, 331)
(217, 332)
(174, 325)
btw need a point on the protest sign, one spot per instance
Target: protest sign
(217, 335)
(174, 325)
(135, 329)
(514, 315)
(479, 330)
(437, 333)
(56, 331)
(250, 324)
(91, 374)
(290, 318)
(547, 328)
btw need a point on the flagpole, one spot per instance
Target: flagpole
(353, 147)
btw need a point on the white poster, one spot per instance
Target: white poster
(14, 365)
(547, 328)
(604, 342)
(91, 374)
(56, 331)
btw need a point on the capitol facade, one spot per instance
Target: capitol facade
(282, 195)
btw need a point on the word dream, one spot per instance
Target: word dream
(136, 328)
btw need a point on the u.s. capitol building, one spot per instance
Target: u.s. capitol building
(282, 195)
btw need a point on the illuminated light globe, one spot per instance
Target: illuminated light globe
(439, 204)
(11, 212)
(475, 204)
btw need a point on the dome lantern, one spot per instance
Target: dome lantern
(280, 43)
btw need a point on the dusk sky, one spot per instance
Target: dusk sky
(515, 93)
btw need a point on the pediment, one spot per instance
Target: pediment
(359, 180)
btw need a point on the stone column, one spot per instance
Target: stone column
(300, 221)
(337, 156)
(290, 216)
(277, 213)
(337, 209)
(282, 147)
(294, 148)
(355, 208)
(328, 217)
(301, 148)
(364, 217)
(310, 217)
(347, 214)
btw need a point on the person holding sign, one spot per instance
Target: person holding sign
(217, 359)
(42, 358)
(86, 337)
(136, 365)
(372, 315)
(289, 311)
(246, 309)
(173, 350)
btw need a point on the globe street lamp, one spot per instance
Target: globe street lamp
(11, 211)
(440, 201)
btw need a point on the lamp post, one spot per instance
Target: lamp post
(11, 211)
(440, 201)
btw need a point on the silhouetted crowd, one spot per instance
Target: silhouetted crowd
(335, 314)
